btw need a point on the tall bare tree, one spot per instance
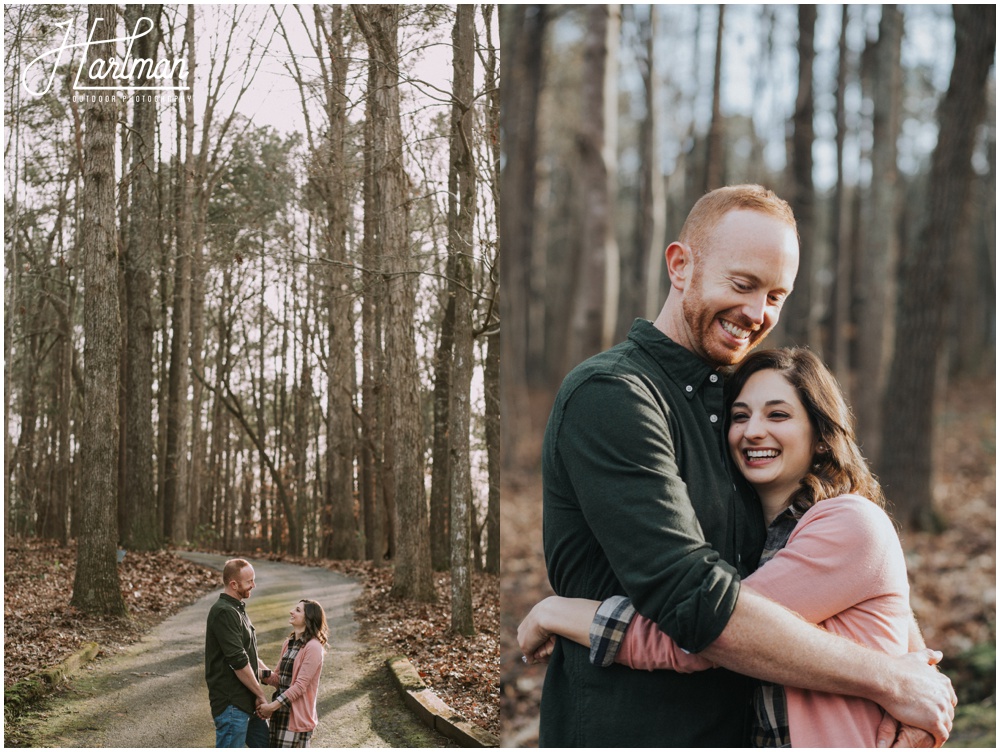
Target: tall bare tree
(595, 299)
(908, 460)
(341, 538)
(461, 223)
(412, 576)
(142, 521)
(96, 587)
(491, 368)
(441, 469)
(653, 199)
(375, 492)
(879, 260)
(175, 501)
(840, 299)
(522, 32)
(714, 149)
(798, 317)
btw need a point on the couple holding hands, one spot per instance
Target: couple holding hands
(243, 716)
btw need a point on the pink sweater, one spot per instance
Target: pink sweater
(302, 692)
(843, 569)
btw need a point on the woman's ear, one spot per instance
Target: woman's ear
(679, 265)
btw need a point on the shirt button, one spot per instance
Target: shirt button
(713, 378)
(689, 388)
(714, 418)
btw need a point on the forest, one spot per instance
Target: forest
(877, 124)
(251, 297)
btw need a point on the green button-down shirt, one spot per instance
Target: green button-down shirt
(640, 500)
(230, 644)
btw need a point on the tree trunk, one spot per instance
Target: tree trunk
(879, 259)
(214, 513)
(142, 531)
(165, 195)
(522, 31)
(908, 460)
(302, 397)
(441, 460)
(378, 540)
(199, 437)
(491, 369)
(412, 577)
(96, 587)
(715, 143)
(595, 298)
(840, 333)
(178, 418)
(798, 315)
(60, 530)
(653, 203)
(341, 539)
(461, 221)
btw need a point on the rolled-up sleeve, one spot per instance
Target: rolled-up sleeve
(607, 630)
(616, 447)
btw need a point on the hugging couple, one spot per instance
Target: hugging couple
(726, 573)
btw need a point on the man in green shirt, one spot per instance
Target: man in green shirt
(639, 500)
(231, 664)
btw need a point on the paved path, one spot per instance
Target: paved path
(153, 694)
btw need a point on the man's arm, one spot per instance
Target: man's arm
(249, 679)
(890, 732)
(227, 629)
(616, 450)
(756, 641)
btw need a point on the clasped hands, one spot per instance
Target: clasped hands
(266, 709)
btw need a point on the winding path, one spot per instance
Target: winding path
(153, 694)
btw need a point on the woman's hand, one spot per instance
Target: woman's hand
(534, 638)
(565, 617)
(266, 710)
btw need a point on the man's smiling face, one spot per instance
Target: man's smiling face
(741, 279)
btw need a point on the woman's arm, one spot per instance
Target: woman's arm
(310, 664)
(815, 575)
(645, 647)
(566, 617)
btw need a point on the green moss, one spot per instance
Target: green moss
(975, 725)
(973, 673)
(23, 692)
(405, 674)
(982, 659)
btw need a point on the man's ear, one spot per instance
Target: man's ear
(679, 265)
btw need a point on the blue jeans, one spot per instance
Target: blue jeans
(236, 728)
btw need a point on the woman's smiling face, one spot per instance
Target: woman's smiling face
(298, 617)
(770, 436)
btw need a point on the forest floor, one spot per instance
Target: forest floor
(952, 574)
(41, 628)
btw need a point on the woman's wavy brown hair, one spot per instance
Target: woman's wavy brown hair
(842, 468)
(316, 625)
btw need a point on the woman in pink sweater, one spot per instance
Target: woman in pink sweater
(292, 711)
(832, 554)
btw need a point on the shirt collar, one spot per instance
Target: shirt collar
(685, 368)
(239, 604)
